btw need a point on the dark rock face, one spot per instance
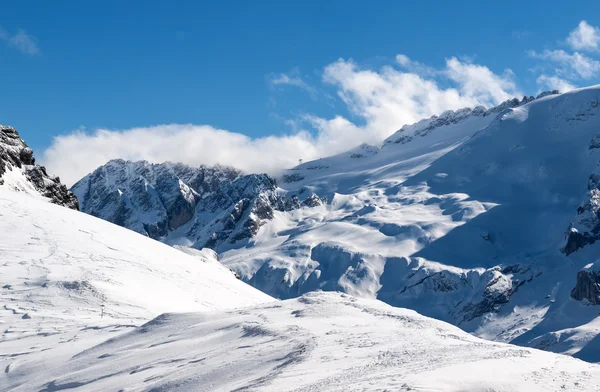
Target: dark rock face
(210, 206)
(148, 198)
(587, 288)
(585, 227)
(15, 154)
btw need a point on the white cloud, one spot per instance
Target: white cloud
(21, 41)
(383, 100)
(480, 83)
(74, 155)
(584, 37)
(388, 98)
(570, 65)
(554, 83)
(291, 79)
(415, 67)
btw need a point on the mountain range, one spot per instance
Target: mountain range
(484, 221)
(483, 218)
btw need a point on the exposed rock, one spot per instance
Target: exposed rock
(213, 205)
(16, 155)
(294, 177)
(249, 202)
(587, 288)
(585, 227)
(314, 201)
(50, 187)
(362, 151)
(546, 93)
(595, 143)
(148, 198)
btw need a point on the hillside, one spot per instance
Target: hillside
(70, 281)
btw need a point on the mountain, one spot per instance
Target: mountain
(486, 219)
(483, 218)
(148, 198)
(91, 306)
(19, 171)
(215, 207)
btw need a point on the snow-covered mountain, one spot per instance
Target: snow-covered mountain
(18, 171)
(148, 198)
(484, 218)
(90, 306)
(213, 207)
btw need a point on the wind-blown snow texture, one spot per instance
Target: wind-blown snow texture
(79, 294)
(481, 218)
(318, 342)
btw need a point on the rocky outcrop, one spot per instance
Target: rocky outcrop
(16, 155)
(585, 227)
(151, 199)
(248, 203)
(587, 288)
(210, 205)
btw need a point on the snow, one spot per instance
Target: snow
(61, 269)
(15, 180)
(82, 303)
(462, 221)
(320, 341)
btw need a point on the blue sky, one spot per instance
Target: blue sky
(123, 72)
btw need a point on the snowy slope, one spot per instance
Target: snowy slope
(61, 269)
(77, 292)
(318, 342)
